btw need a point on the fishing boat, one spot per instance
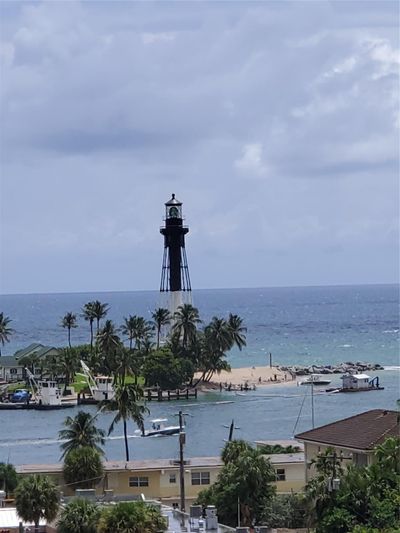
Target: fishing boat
(47, 395)
(315, 379)
(158, 427)
(101, 387)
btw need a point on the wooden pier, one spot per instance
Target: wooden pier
(168, 395)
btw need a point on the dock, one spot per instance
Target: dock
(168, 395)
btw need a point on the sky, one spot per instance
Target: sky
(275, 123)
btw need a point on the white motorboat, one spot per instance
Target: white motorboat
(158, 427)
(315, 379)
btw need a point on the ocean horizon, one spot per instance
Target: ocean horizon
(298, 325)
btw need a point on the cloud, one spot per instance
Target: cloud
(279, 116)
(251, 162)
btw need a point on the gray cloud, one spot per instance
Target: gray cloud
(275, 123)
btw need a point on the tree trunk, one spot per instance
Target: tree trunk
(36, 526)
(126, 441)
(158, 337)
(91, 337)
(69, 337)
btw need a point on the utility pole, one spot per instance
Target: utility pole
(182, 441)
(312, 402)
(270, 359)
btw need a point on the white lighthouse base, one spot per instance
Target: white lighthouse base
(174, 299)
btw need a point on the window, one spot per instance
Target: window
(280, 474)
(360, 459)
(172, 478)
(13, 370)
(137, 481)
(200, 478)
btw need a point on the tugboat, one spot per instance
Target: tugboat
(159, 428)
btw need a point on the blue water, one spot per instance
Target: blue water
(298, 325)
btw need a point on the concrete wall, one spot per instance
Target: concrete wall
(295, 478)
(311, 452)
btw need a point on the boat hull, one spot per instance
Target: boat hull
(319, 382)
(10, 406)
(165, 431)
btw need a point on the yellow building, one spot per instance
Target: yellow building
(353, 439)
(159, 478)
(154, 478)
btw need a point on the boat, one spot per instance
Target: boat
(47, 395)
(158, 427)
(315, 379)
(101, 387)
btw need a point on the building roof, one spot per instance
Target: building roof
(286, 458)
(281, 442)
(32, 348)
(364, 431)
(173, 201)
(9, 518)
(145, 464)
(155, 464)
(8, 361)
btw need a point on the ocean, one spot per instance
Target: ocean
(298, 325)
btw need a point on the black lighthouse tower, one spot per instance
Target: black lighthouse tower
(175, 271)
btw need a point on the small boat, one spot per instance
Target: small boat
(158, 427)
(315, 379)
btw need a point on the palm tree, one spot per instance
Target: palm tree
(89, 315)
(69, 322)
(234, 449)
(237, 330)
(79, 516)
(215, 342)
(8, 478)
(127, 406)
(132, 517)
(161, 317)
(186, 320)
(37, 497)
(109, 345)
(66, 364)
(99, 311)
(81, 431)
(83, 468)
(5, 330)
(137, 329)
(219, 334)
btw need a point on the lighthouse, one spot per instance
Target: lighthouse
(175, 279)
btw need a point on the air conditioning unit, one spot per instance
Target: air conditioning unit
(211, 517)
(196, 511)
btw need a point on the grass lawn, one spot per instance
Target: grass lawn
(80, 382)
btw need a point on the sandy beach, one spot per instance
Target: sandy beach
(255, 375)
